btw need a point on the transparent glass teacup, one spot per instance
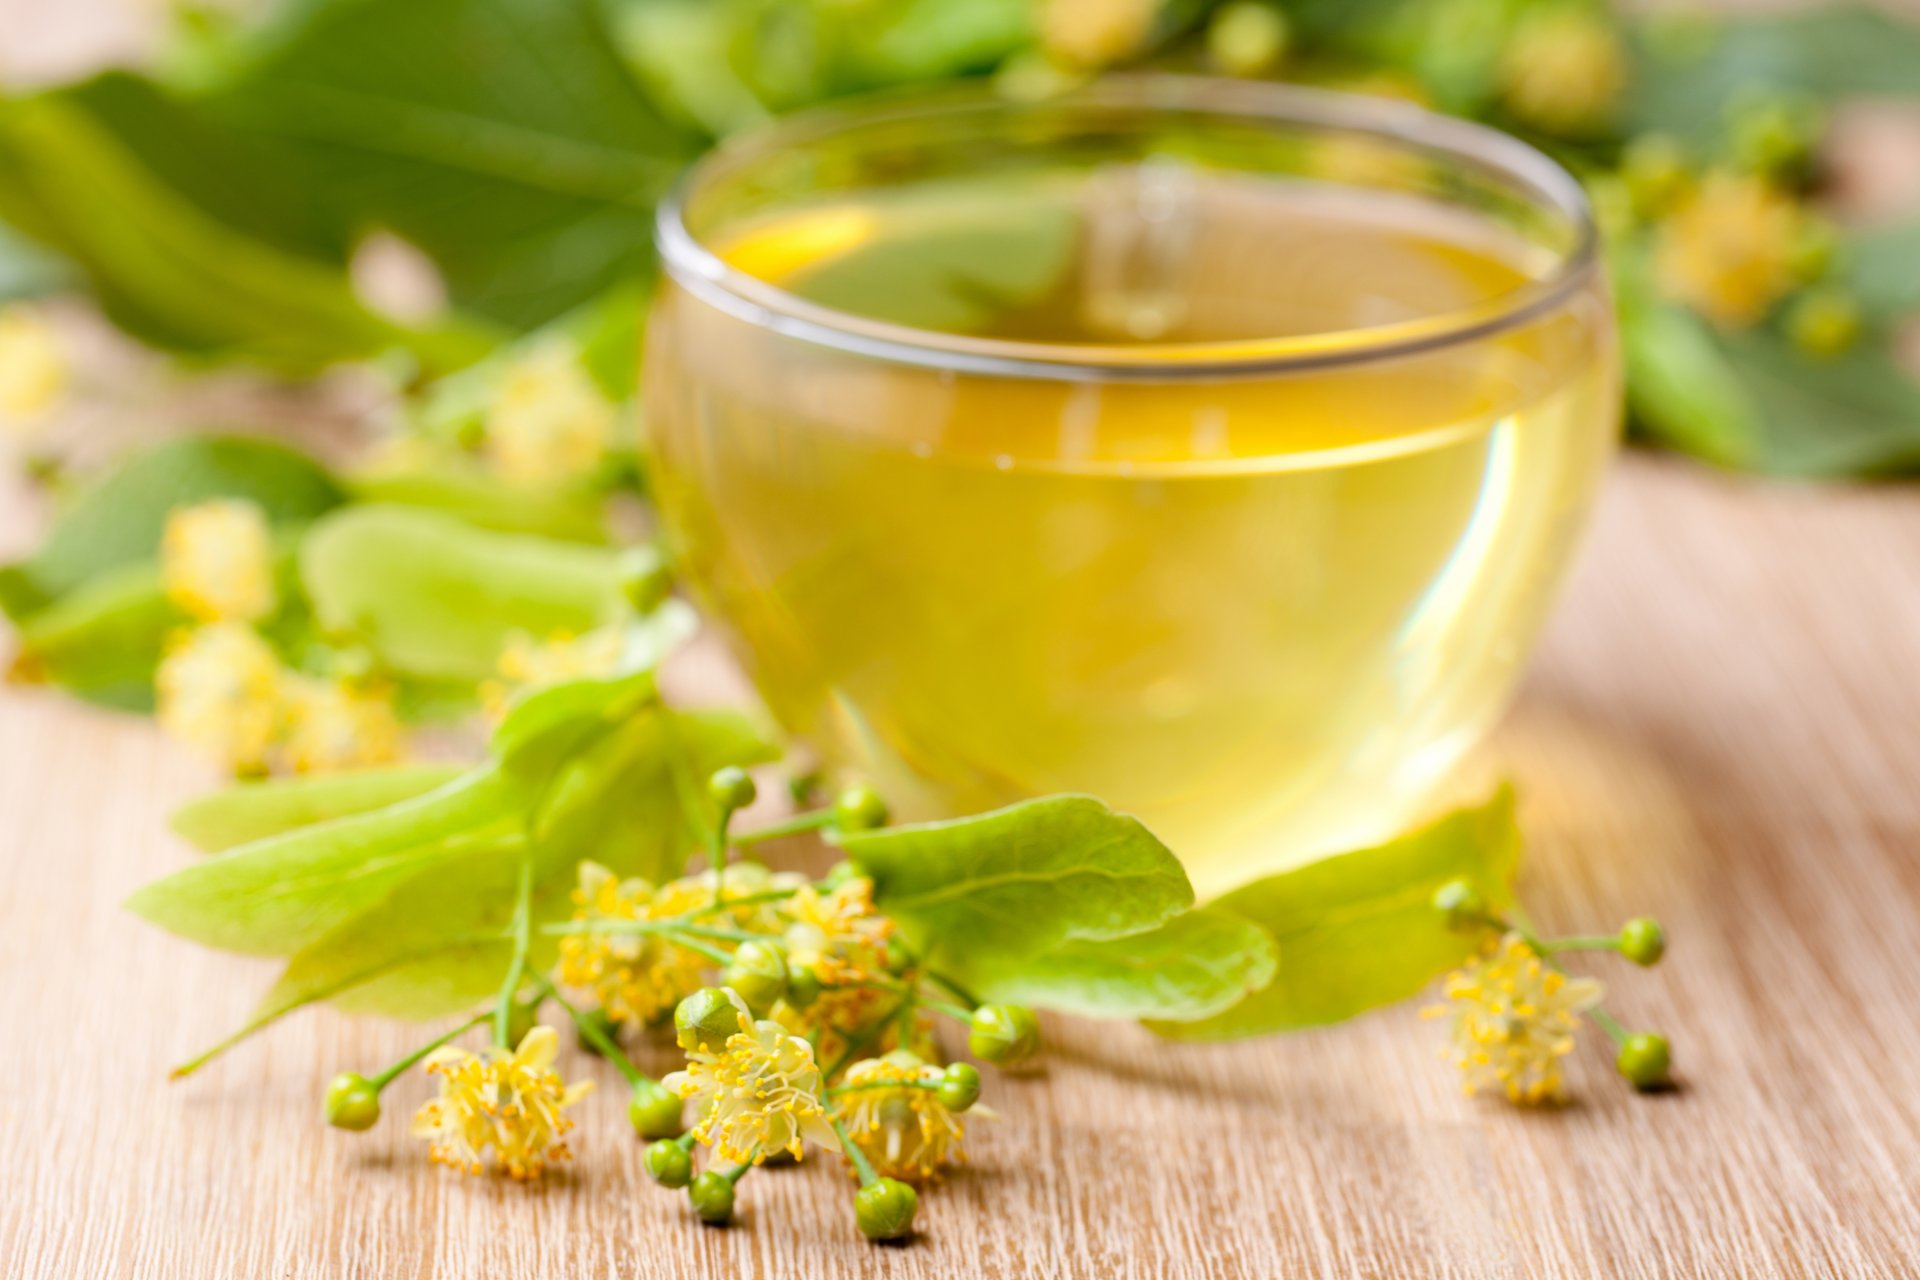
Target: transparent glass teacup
(1214, 449)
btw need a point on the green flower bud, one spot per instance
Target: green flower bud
(1003, 1033)
(1776, 136)
(668, 1164)
(1462, 903)
(1647, 1060)
(707, 1019)
(758, 972)
(859, 808)
(1815, 249)
(731, 788)
(1642, 940)
(885, 1209)
(1247, 38)
(803, 987)
(645, 579)
(712, 1196)
(959, 1087)
(653, 1110)
(352, 1102)
(1656, 171)
(1824, 323)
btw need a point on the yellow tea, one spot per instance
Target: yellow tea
(1196, 558)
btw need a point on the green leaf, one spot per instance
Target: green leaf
(1683, 390)
(505, 138)
(1856, 414)
(446, 604)
(167, 270)
(1198, 964)
(1022, 879)
(1883, 271)
(476, 497)
(277, 895)
(255, 810)
(1828, 52)
(1359, 930)
(118, 522)
(102, 640)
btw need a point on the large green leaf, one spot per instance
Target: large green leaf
(255, 810)
(1883, 270)
(277, 895)
(1359, 930)
(435, 597)
(117, 522)
(1830, 52)
(1198, 964)
(506, 138)
(1683, 390)
(102, 640)
(1823, 418)
(1022, 879)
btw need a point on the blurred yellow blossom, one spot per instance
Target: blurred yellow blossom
(841, 942)
(548, 422)
(895, 1116)
(216, 560)
(1565, 69)
(499, 1107)
(33, 366)
(218, 690)
(634, 977)
(1513, 1020)
(333, 725)
(1095, 33)
(1728, 250)
(527, 663)
(760, 1094)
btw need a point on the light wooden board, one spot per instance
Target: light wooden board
(1724, 728)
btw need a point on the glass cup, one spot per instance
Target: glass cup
(1211, 448)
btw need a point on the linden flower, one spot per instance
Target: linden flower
(1095, 33)
(526, 663)
(33, 368)
(334, 725)
(634, 977)
(548, 422)
(842, 941)
(1727, 251)
(500, 1107)
(1514, 1019)
(1564, 70)
(759, 1095)
(903, 1130)
(218, 689)
(216, 560)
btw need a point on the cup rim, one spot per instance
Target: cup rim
(1540, 179)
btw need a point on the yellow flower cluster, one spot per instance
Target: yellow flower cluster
(761, 1093)
(1728, 249)
(526, 663)
(901, 1127)
(499, 1108)
(1095, 33)
(221, 688)
(1564, 70)
(33, 367)
(1513, 1021)
(842, 941)
(548, 423)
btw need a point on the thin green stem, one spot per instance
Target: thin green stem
(861, 1165)
(393, 1072)
(869, 1086)
(954, 1011)
(600, 1040)
(744, 900)
(740, 1171)
(1583, 942)
(798, 824)
(669, 927)
(522, 944)
(953, 989)
(1609, 1024)
(859, 1043)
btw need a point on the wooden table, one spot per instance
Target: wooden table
(1724, 729)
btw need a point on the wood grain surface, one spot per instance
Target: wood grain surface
(1723, 728)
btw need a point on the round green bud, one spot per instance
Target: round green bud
(731, 788)
(1003, 1033)
(352, 1102)
(668, 1164)
(803, 987)
(712, 1196)
(803, 787)
(1462, 903)
(959, 1087)
(1815, 249)
(644, 578)
(758, 973)
(653, 1110)
(859, 808)
(885, 1209)
(1247, 38)
(1824, 323)
(1776, 136)
(1656, 170)
(1647, 1060)
(1642, 940)
(707, 1019)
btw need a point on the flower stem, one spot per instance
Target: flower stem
(388, 1076)
(861, 1165)
(866, 1037)
(1607, 1023)
(1583, 942)
(593, 1035)
(954, 1011)
(796, 825)
(869, 1085)
(522, 943)
(954, 989)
